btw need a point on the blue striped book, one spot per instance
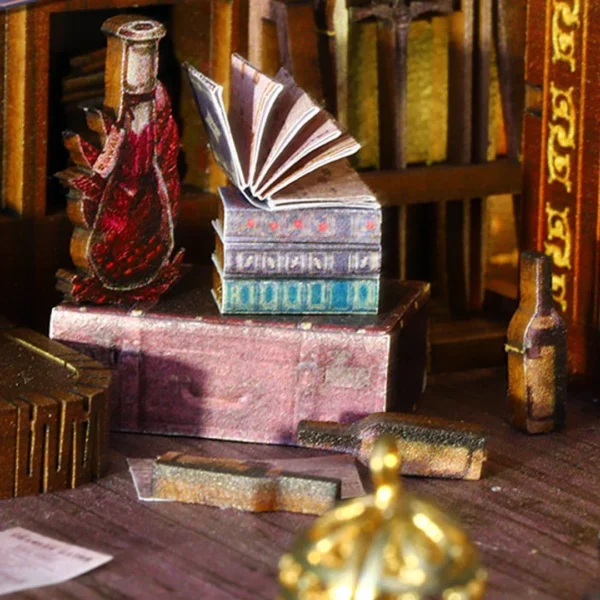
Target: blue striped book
(295, 296)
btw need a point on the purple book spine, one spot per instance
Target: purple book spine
(297, 260)
(241, 221)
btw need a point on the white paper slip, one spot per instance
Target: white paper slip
(30, 560)
(338, 466)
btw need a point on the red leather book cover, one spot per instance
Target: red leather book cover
(561, 150)
(182, 368)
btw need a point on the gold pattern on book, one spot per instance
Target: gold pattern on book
(558, 239)
(559, 290)
(558, 246)
(561, 136)
(565, 22)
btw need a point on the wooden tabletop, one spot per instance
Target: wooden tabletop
(535, 515)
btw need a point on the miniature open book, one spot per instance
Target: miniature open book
(276, 145)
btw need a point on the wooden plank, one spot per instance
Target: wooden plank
(2, 98)
(298, 43)
(259, 10)
(26, 57)
(331, 19)
(190, 30)
(270, 61)
(509, 35)
(455, 272)
(15, 128)
(510, 22)
(438, 183)
(479, 225)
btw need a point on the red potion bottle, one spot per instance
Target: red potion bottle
(123, 197)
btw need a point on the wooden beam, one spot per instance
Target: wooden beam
(298, 43)
(437, 183)
(482, 144)
(454, 218)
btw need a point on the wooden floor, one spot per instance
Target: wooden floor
(535, 516)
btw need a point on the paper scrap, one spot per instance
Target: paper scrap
(141, 473)
(30, 560)
(339, 466)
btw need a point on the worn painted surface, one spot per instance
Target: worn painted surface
(181, 368)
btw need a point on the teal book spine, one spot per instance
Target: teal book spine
(297, 296)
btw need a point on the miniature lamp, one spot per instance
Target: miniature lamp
(386, 546)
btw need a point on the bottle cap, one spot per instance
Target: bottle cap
(132, 58)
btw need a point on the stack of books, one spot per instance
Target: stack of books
(298, 231)
(296, 261)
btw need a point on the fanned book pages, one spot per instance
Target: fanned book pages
(276, 145)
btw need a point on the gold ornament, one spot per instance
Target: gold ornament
(386, 546)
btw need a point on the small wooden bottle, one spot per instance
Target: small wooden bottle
(537, 352)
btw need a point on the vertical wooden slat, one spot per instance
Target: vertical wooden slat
(298, 44)
(330, 32)
(221, 44)
(191, 34)
(509, 36)
(2, 100)
(14, 150)
(26, 110)
(270, 61)
(510, 20)
(229, 33)
(392, 66)
(240, 21)
(459, 151)
(257, 51)
(39, 111)
(481, 144)
(439, 150)
(220, 61)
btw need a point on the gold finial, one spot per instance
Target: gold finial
(387, 546)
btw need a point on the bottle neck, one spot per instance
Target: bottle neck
(131, 60)
(536, 283)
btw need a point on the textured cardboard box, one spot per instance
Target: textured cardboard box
(181, 368)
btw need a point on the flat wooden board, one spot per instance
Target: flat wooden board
(535, 516)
